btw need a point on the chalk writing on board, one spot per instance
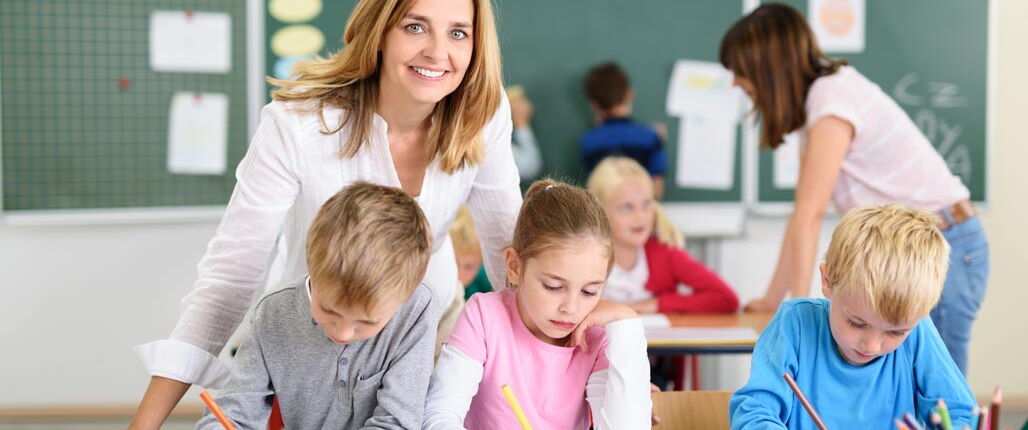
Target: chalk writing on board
(944, 135)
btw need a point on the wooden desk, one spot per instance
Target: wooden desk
(685, 410)
(755, 320)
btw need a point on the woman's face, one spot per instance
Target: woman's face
(745, 85)
(425, 56)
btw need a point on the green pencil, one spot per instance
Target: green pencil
(944, 414)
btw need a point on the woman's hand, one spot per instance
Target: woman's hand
(604, 313)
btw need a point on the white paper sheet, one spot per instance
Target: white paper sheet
(706, 153)
(703, 88)
(787, 162)
(183, 41)
(701, 334)
(838, 24)
(655, 320)
(197, 133)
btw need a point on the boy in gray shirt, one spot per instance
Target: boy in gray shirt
(350, 346)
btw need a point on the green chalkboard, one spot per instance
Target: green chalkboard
(549, 45)
(85, 119)
(931, 57)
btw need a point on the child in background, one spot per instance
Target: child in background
(649, 262)
(350, 345)
(523, 142)
(866, 353)
(566, 354)
(610, 97)
(469, 255)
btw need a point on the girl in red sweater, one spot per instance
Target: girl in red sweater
(651, 265)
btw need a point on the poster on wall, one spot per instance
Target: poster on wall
(838, 24)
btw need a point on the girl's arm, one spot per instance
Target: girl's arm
(454, 383)
(495, 197)
(619, 395)
(710, 292)
(230, 271)
(829, 140)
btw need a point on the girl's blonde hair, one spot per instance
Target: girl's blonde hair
(614, 171)
(349, 80)
(554, 214)
(463, 234)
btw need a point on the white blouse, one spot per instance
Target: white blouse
(628, 286)
(290, 169)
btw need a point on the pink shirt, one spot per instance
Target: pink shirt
(549, 381)
(890, 160)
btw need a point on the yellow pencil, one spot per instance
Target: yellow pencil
(516, 407)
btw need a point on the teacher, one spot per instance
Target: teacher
(414, 100)
(857, 148)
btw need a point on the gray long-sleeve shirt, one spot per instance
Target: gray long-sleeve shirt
(376, 383)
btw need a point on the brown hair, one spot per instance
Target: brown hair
(349, 80)
(554, 214)
(774, 48)
(890, 257)
(368, 243)
(606, 85)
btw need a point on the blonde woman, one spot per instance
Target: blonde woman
(414, 100)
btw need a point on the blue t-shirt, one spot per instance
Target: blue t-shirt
(799, 341)
(622, 136)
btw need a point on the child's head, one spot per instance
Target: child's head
(607, 87)
(625, 191)
(559, 259)
(367, 251)
(465, 246)
(883, 272)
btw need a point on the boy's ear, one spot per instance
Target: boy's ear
(513, 264)
(629, 96)
(826, 289)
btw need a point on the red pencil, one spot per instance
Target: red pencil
(218, 413)
(806, 403)
(997, 398)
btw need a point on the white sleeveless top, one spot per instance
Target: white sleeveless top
(890, 160)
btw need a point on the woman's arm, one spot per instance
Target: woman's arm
(828, 141)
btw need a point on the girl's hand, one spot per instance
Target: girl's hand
(762, 304)
(654, 419)
(604, 313)
(648, 306)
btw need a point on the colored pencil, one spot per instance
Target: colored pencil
(900, 425)
(983, 419)
(997, 399)
(944, 414)
(516, 407)
(936, 420)
(803, 400)
(911, 421)
(216, 410)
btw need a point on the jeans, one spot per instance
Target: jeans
(964, 288)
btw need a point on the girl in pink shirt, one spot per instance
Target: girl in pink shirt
(572, 359)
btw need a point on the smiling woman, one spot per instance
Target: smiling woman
(413, 101)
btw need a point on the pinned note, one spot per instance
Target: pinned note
(186, 41)
(703, 88)
(706, 153)
(838, 24)
(197, 133)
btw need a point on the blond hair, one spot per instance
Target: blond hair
(893, 258)
(368, 244)
(554, 215)
(463, 234)
(349, 80)
(614, 171)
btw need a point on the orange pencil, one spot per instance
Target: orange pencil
(218, 413)
(806, 403)
(900, 425)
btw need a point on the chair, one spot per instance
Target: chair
(701, 410)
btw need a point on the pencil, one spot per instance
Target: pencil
(911, 421)
(900, 425)
(218, 413)
(516, 407)
(997, 398)
(983, 419)
(803, 400)
(944, 414)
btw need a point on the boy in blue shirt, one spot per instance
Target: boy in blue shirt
(610, 97)
(868, 353)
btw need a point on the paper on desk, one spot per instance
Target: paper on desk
(701, 334)
(655, 320)
(787, 162)
(703, 88)
(197, 133)
(706, 153)
(186, 41)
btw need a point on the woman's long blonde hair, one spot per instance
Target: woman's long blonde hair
(614, 171)
(349, 80)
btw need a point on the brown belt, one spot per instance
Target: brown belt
(959, 212)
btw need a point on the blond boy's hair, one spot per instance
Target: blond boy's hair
(614, 171)
(462, 232)
(368, 244)
(893, 258)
